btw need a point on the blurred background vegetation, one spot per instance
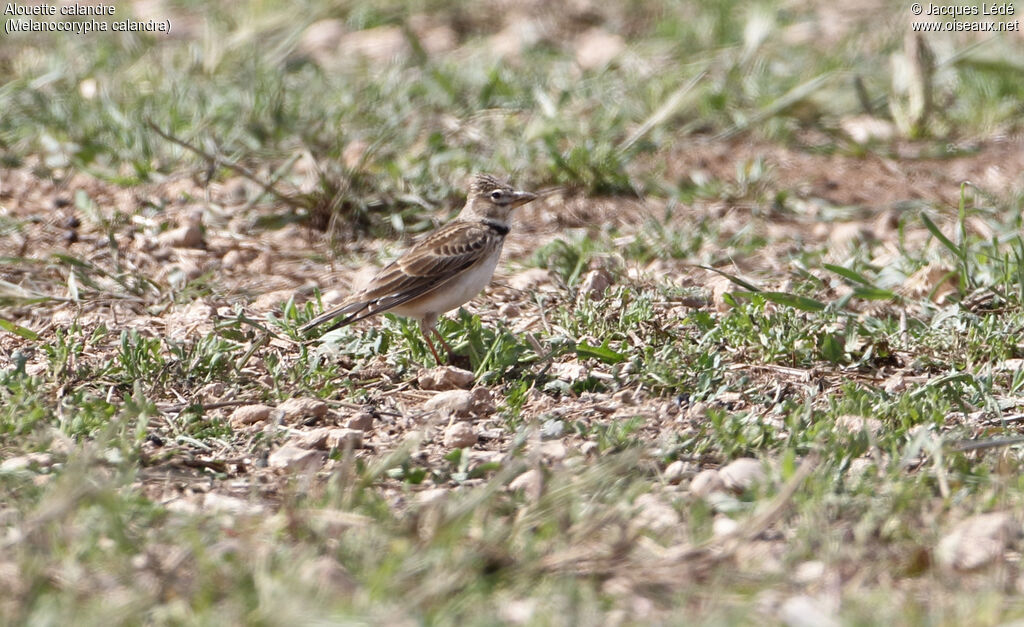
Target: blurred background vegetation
(366, 107)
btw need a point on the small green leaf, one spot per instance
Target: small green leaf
(484, 469)
(735, 279)
(940, 236)
(789, 465)
(602, 352)
(831, 348)
(847, 273)
(874, 293)
(415, 476)
(18, 330)
(789, 300)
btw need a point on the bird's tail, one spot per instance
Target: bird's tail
(354, 310)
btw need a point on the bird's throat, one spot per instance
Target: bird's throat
(498, 227)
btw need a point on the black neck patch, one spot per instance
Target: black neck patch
(497, 227)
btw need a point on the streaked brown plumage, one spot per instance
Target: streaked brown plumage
(441, 271)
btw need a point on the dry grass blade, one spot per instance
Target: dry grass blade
(981, 445)
(666, 110)
(788, 99)
(231, 165)
(12, 295)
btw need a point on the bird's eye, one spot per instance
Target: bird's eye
(496, 194)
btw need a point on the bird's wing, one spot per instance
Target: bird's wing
(432, 262)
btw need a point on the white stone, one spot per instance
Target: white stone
(189, 235)
(460, 435)
(674, 472)
(977, 541)
(362, 421)
(596, 48)
(654, 514)
(805, 611)
(231, 259)
(706, 482)
(742, 474)
(300, 409)
(291, 458)
(216, 502)
(531, 483)
(341, 438)
(809, 572)
(854, 424)
(248, 414)
(553, 450)
(313, 439)
(26, 462)
(431, 496)
(723, 526)
(451, 402)
(595, 283)
(446, 378)
(866, 128)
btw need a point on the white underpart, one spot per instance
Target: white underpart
(458, 292)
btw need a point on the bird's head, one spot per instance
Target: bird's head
(493, 199)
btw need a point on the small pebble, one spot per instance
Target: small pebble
(460, 435)
(706, 482)
(362, 421)
(248, 414)
(742, 474)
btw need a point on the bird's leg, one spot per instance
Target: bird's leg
(430, 345)
(447, 347)
(426, 326)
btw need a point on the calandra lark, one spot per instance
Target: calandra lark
(441, 271)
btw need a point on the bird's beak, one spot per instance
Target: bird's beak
(520, 198)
